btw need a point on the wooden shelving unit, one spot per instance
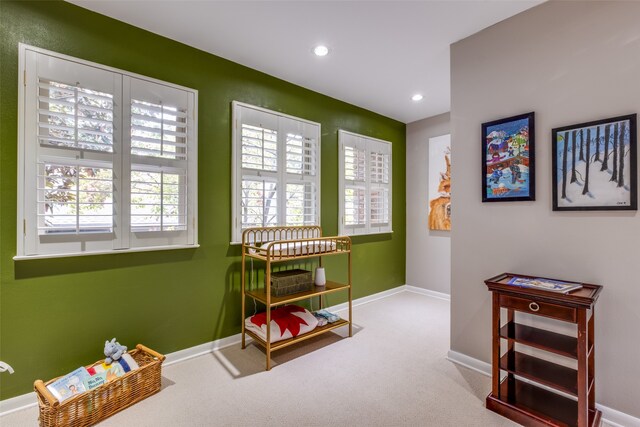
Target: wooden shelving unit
(535, 391)
(274, 245)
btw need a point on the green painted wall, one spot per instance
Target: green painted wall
(56, 314)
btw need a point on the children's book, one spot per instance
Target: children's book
(95, 380)
(69, 385)
(544, 284)
(111, 371)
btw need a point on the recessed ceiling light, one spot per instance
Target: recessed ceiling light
(417, 97)
(320, 50)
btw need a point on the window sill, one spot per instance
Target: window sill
(113, 251)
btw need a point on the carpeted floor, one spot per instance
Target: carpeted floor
(393, 372)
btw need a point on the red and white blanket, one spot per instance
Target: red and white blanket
(286, 322)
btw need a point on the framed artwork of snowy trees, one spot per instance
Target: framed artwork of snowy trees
(508, 160)
(595, 165)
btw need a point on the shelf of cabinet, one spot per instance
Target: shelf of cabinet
(330, 287)
(541, 371)
(563, 345)
(534, 406)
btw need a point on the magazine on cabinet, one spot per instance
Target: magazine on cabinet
(544, 284)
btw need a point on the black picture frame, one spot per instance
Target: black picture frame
(505, 173)
(601, 134)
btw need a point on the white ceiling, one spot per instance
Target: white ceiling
(381, 52)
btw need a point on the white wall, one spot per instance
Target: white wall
(428, 251)
(570, 62)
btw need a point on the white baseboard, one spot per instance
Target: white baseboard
(428, 292)
(610, 416)
(469, 362)
(202, 349)
(616, 418)
(18, 403)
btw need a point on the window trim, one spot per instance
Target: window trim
(342, 228)
(236, 169)
(192, 162)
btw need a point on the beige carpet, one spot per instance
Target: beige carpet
(393, 372)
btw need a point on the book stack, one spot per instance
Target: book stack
(83, 379)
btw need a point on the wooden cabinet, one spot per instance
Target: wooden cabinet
(532, 390)
(275, 245)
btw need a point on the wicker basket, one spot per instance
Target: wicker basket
(95, 405)
(289, 282)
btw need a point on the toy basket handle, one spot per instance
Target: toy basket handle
(151, 352)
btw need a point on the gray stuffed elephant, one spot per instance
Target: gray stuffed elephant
(113, 351)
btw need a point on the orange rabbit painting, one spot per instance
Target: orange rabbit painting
(440, 183)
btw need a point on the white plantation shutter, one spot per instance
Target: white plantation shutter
(355, 168)
(107, 161)
(157, 200)
(355, 185)
(302, 206)
(379, 207)
(259, 202)
(302, 156)
(74, 199)
(259, 164)
(365, 184)
(162, 162)
(68, 165)
(259, 148)
(158, 130)
(276, 169)
(379, 186)
(355, 207)
(74, 117)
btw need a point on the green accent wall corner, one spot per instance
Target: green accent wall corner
(56, 313)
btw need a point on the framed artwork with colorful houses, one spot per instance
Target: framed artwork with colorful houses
(508, 159)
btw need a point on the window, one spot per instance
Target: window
(365, 184)
(276, 170)
(107, 159)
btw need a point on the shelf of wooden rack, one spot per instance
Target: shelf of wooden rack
(281, 244)
(261, 294)
(535, 391)
(285, 343)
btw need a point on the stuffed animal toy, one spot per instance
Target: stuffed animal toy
(113, 350)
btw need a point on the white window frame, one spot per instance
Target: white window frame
(367, 143)
(280, 175)
(30, 245)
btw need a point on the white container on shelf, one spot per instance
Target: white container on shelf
(321, 278)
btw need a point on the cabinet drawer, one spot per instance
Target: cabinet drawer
(540, 308)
